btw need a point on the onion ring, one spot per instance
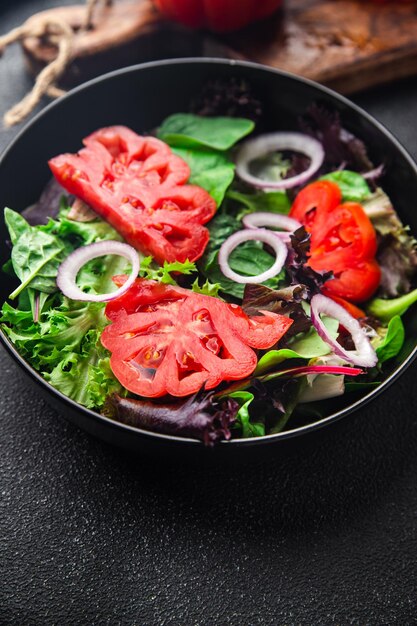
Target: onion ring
(68, 270)
(265, 144)
(256, 234)
(364, 355)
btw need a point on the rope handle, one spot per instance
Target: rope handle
(58, 33)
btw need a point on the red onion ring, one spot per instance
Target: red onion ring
(272, 142)
(68, 270)
(274, 220)
(256, 234)
(364, 354)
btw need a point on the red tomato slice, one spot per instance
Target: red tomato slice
(314, 203)
(343, 240)
(357, 283)
(137, 185)
(346, 235)
(169, 340)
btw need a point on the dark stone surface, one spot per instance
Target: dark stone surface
(323, 534)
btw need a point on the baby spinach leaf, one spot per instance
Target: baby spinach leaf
(248, 259)
(186, 130)
(392, 341)
(16, 224)
(36, 257)
(270, 201)
(352, 185)
(212, 171)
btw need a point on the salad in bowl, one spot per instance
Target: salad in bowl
(208, 278)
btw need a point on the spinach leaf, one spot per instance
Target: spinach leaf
(247, 259)
(16, 225)
(186, 130)
(352, 185)
(212, 171)
(36, 257)
(393, 340)
(271, 201)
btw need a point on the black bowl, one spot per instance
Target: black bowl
(140, 97)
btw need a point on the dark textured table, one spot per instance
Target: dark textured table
(325, 533)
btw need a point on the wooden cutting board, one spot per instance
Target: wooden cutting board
(348, 45)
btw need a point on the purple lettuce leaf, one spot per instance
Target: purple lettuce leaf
(286, 301)
(200, 416)
(397, 248)
(231, 97)
(341, 147)
(47, 206)
(296, 267)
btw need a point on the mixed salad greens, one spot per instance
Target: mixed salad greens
(259, 296)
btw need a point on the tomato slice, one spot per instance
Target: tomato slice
(346, 235)
(343, 240)
(314, 203)
(138, 185)
(357, 283)
(169, 340)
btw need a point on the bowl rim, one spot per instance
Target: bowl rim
(250, 441)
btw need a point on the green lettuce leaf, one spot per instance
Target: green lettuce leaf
(59, 337)
(151, 271)
(65, 347)
(206, 289)
(249, 428)
(305, 346)
(385, 309)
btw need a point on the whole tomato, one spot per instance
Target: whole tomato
(217, 15)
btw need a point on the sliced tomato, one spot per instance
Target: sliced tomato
(346, 235)
(343, 240)
(169, 340)
(138, 185)
(357, 283)
(314, 203)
